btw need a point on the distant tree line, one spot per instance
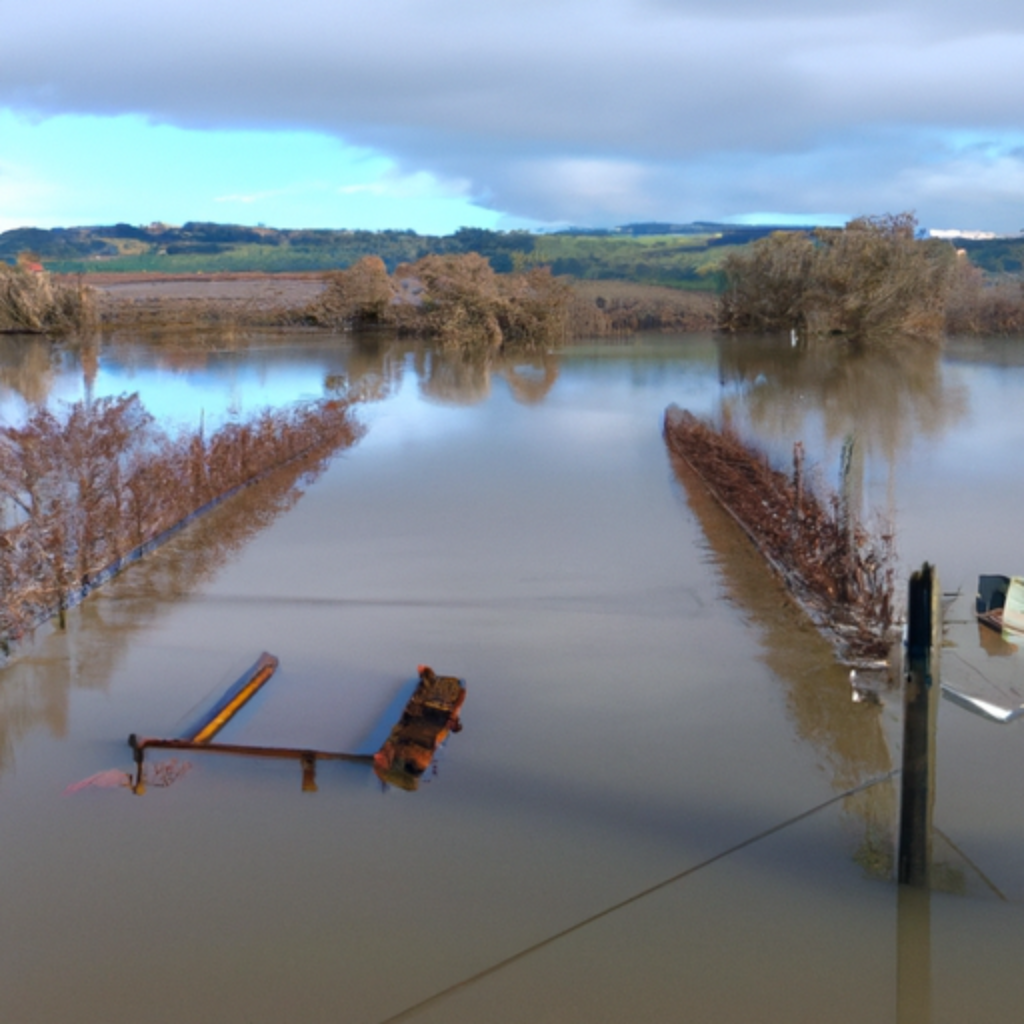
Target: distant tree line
(654, 253)
(323, 248)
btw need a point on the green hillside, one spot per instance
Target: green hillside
(680, 261)
(681, 256)
(995, 255)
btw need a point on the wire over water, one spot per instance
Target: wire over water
(438, 997)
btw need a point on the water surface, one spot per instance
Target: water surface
(664, 804)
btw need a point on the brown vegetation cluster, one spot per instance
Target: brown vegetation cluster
(868, 281)
(603, 308)
(86, 492)
(978, 306)
(34, 302)
(457, 299)
(841, 576)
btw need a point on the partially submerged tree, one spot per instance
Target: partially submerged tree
(358, 296)
(874, 278)
(766, 289)
(457, 299)
(980, 304)
(869, 280)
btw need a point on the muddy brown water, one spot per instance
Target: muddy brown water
(664, 804)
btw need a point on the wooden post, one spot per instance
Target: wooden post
(138, 783)
(308, 761)
(798, 480)
(920, 711)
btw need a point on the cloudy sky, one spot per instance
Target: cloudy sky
(532, 113)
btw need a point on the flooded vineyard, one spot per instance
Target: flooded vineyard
(664, 802)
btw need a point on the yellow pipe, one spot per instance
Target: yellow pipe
(265, 668)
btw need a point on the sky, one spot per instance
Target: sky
(526, 114)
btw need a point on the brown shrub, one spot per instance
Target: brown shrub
(977, 305)
(356, 297)
(456, 299)
(34, 302)
(869, 281)
(767, 286)
(623, 307)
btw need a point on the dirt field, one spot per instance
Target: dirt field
(254, 300)
(260, 290)
(127, 300)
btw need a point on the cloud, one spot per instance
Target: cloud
(420, 185)
(963, 186)
(603, 111)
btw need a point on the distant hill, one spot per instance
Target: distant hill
(197, 247)
(679, 255)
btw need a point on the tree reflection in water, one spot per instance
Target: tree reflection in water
(876, 403)
(882, 399)
(377, 367)
(375, 370)
(27, 367)
(849, 738)
(466, 380)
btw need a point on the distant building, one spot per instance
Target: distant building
(977, 236)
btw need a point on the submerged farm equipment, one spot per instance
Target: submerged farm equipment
(431, 713)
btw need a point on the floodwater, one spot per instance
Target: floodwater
(664, 804)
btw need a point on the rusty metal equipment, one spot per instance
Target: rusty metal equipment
(431, 713)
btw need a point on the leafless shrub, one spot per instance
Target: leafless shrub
(34, 302)
(87, 492)
(534, 310)
(459, 301)
(841, 576)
